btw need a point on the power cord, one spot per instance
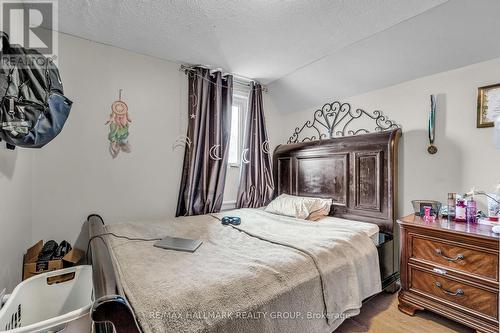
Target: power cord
(117, 236)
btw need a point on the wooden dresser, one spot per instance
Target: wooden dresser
(450, 268)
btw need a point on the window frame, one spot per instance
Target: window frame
(241, 101)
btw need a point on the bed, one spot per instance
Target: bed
(272, 273)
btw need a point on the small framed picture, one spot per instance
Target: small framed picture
(488, 105)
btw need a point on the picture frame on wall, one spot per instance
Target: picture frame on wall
(488, 104)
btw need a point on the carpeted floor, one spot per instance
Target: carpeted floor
(381, 315)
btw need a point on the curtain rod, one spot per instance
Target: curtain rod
(238, 79)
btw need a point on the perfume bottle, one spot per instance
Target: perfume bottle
(452, 200)
(460, 211)
(471, 211)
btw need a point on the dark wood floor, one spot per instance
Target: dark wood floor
(381, 315)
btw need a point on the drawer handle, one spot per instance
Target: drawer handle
(459, 291)
(439, 252)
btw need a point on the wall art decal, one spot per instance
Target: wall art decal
(181, 141)
(244, 155)
(214, 153)
(265, 147)
(118, 122)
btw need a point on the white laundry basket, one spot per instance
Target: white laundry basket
(37, 306)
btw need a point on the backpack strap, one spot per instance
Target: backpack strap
(5, 41)
(9, 146)
(49, 82)
(9, 81)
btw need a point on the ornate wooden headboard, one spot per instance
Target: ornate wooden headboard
(358, 172)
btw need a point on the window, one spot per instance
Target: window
(237, 120)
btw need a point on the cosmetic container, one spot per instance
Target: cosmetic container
(460, 211)
(471, 211)
(452, 200)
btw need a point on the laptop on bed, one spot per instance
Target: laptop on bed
(178, 244)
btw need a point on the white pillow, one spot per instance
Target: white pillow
(298, 207)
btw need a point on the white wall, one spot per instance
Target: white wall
(15, 213)
(48, 193)
(467, 156)
(75, 174)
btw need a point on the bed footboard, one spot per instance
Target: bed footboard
(111, 308)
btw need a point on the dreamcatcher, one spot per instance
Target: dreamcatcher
(118, 127)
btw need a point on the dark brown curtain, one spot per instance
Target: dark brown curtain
(207, 142)
(256, 180)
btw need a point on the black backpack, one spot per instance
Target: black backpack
(33, 108)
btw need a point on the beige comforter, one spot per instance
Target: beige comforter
(274, 274)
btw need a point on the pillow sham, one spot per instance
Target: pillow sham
(319, 214)
(299, 207)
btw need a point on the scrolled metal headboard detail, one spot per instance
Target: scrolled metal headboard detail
(335, 120)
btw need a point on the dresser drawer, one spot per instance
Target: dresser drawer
(465, 259)
(461, 294)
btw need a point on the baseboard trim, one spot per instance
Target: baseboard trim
(228, 205)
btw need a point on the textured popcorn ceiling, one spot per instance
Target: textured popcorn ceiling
(261, 39)
(453, 35)
(306, 51)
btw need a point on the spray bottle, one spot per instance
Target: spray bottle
(471, 209)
